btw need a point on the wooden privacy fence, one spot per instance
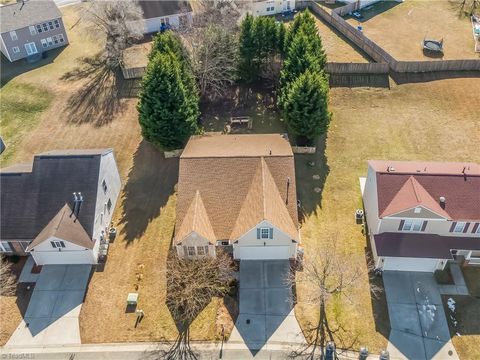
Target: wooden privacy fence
(381, 56)
(358, 74)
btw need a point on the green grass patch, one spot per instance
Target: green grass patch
(20, 108)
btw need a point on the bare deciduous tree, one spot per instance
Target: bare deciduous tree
(469, 7)
(328, 274)
(120, 22)
(7, 279)
(212, 44)
(191, 285)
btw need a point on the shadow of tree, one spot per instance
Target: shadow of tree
(311, 172)
(99, 99)
(150, 183)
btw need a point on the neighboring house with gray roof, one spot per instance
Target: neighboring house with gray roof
(59, 208)
(30, 27)
(159, 15)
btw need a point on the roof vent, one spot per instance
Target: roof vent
(442, 201)
(390, 169)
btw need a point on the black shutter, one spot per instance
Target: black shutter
(453, 226)
(270, 233)
(258, 233)
(62, 243)
(424, 225)
(53, 244)
(475, 227)
(400, 227)
(465, 229)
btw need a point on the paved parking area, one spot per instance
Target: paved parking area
(52, 314)
(417, 318)
(266, 309)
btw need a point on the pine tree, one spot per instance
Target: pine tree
(168, 109)
(306, 106)
(168, 41)
(248, 68)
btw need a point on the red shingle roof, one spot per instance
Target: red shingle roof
(401, 184)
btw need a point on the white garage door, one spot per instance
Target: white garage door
(410, 264)
(261, 252)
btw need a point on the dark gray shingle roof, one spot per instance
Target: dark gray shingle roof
(19, 15)
(155, 8)
(30, 200)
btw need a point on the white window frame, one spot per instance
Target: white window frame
(262, 230)
(459, 227)
(13, 35)
(56, 23)
(5, 246)
(31, 45)
(60, 38)
(191, 251)
(49, 41)
(50, 25)
(412, 225)
(45, 27)
(33, 30)
(200, 250)
(56, 244)
(44, 43)
(478, 230)
(55, 39)
(39, 28)
(15, 49)
(417, 210)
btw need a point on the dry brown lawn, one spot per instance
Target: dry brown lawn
(425, 121)
(401, 28)
(146, 211)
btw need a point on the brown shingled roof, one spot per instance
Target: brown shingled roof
(230, 176)
(64, 227)
(196, 220)
(459, 183)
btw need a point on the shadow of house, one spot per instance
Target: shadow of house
(150, 183)
(373, 10)
(407, 78)
(311, 171)
(11, 70)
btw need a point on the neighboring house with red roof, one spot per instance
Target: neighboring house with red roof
(59, 207)
(420, 215)
(237, 192)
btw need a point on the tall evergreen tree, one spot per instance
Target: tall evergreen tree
(306, 106)
(248, 68)
(168, 109)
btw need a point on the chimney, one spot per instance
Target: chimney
(75, 200)
(80, 200)
(442, 202)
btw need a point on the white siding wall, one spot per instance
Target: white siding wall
(103, 217)
(193, 239)
(279, 239)
(370, 201)
(152, 25)
(440, 227)
(259, 8)
(45, 253)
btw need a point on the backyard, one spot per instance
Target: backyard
(425, 121)
(401, 27)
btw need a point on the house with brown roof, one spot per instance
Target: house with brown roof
(59, 207)
(420, 215)
(159, 15)
(237, 192)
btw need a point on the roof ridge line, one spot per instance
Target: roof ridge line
(262, 160)
(197, 194)
(415, 190)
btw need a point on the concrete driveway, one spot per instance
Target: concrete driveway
(52, 314)
(419, 328)
(266, 313)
